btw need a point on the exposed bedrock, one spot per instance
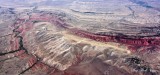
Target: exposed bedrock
(46, 42)
(50, 43)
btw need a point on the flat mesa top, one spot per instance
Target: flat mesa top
(127, 17)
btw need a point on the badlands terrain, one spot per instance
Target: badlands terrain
(79, 37)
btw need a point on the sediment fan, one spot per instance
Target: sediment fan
(48, 44)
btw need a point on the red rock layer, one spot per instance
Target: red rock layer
(24, 25)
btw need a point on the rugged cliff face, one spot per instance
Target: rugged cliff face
(47, 40)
